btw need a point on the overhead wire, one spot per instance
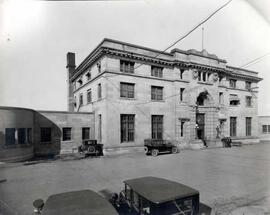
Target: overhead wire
(190, 31)
(256, 60)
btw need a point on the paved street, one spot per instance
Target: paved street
(227, 178)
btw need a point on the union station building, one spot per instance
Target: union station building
(122, 94)
(186, 97)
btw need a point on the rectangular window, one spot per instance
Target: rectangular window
(66, 134)
(74, 86)
(99, 91)
(157, 71)
(181, 93)
(126, 66)
(232, 126)
(248, 85)
(232, 83)
(264, 129)
(204, 76)
(248, 101)
(88, 75)
(127, 90)
(100, 127)
(157, 127)
(221, 98)
(156, 93)
(89, 96)
(29, 135)
(234, 100)
(248, 126)
(182, 128)
(199, 76)
(45, 134)
(127, 127)
(21, 135)
(181, 73)
(80, 82)
(81, 99)
(10, 136)
(86, 133)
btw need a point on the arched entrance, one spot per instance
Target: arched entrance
(204, 110)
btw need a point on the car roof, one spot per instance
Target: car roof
(78, 202)
(159, 190)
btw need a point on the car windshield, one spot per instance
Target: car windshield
(176, 207)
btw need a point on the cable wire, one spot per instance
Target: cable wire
(193, 29)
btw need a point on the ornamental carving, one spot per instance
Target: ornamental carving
(195, 73)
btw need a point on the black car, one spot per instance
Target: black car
(155, 147)
(157, 196)
(83, 202)
(91, 147)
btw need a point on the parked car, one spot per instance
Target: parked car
(74, 203)
(154, 147)
(91, 147)
(157, 196)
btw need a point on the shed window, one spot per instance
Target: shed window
(45, 134)
(10, 136)
(22, 136)
(66, 134)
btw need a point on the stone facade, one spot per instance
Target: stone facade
(20, 132)
(222, 96)
(264, 128)
(207, 91)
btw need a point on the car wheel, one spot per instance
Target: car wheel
(91, 149)
(146, 150)
(154, 152)
(174, 150)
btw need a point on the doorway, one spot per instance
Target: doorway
(200, 125)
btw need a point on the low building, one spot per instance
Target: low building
(264, 128)
(136, 93)
(25, 133)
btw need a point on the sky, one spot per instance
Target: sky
(36, 35)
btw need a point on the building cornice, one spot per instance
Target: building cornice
(102, 50)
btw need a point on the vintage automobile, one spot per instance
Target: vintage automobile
(91, 147)
(157, 196)
(74, 203)
(154, 147)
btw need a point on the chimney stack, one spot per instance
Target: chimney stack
(70, 72)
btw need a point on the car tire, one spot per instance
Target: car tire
(174, 150)
(146, 150)
(91, 149)
(154, 152)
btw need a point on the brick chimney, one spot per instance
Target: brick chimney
(70, 72)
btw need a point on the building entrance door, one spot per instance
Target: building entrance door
(200, 125)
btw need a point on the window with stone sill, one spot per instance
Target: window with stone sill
(232, 83)
(248, 101)
(127, 90)
(156, 93)
(88, 75)
(127, 66)
(248, 85)
(157, 71)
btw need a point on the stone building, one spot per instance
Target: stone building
(264, 128)
(137, 93)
